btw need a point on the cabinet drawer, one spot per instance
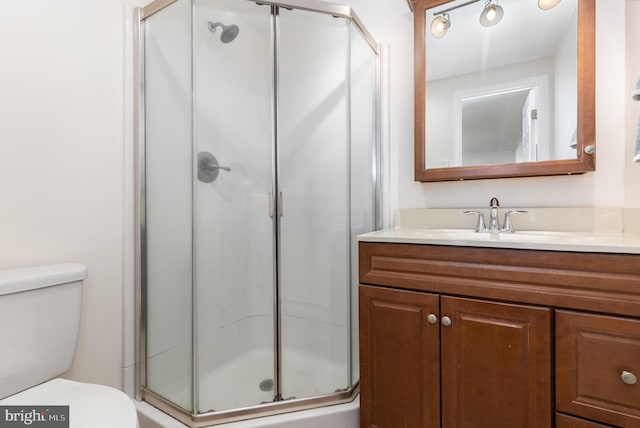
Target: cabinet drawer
(597, 361)
(565, 421)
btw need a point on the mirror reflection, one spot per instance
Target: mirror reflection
(501, 82)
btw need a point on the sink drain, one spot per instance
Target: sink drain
(266, 385)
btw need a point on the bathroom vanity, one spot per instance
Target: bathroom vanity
(509, 331)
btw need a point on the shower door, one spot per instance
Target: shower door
(234, 229)
(313, 152)
(259, 171)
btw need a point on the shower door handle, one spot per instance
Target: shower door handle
(280, 204)
(270, 197)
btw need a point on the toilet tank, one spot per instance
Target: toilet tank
(39, 323)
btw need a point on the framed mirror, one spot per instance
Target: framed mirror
(504, 88)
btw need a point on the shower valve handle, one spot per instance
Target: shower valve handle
(226, 168)
(208, 167)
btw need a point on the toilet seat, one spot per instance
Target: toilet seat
(90, 405)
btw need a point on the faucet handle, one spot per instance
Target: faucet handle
(480, 226)
(507, 226)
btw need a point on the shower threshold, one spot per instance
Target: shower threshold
(270, 409)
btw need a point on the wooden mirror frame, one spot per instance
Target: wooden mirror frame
(586, 159)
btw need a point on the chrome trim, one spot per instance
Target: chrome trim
(371, 41)
(154, 7)
(332, 9)
(308, 5)
(195, 355)
(139, 206)
(245, 413)
(311, 6)
(349, 151)
(378, 143)
(275, 177)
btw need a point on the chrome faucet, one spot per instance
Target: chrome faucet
(494, 224)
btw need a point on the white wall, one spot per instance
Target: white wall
(61, 168)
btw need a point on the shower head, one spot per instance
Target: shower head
(229, 32)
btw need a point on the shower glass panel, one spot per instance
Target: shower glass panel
(314, 180)
(168, 204)
(258, 169)
(234, 233)
(363, 112)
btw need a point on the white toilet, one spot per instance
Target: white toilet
(39, 323)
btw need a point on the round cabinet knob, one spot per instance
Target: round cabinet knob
(432, 319)
(446, 321)
(629, 378)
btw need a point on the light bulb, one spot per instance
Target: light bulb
(440, 25)
(547, 4)
(491, 15)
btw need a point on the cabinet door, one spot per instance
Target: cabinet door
(597, 365)
(399, 359)
(496, 365)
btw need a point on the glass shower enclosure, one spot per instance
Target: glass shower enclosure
(257, 135)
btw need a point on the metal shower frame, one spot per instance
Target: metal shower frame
(142, 393)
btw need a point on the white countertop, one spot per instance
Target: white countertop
(529, 240)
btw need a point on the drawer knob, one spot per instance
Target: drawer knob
(446, 321)
(629, 378)
(432, 319)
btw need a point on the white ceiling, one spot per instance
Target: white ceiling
(525, 32)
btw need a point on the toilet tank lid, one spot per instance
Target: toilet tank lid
(31, 278)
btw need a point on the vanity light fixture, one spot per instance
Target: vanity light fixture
(492, 14)
(441, 21)
(440, 25)
(547, 4)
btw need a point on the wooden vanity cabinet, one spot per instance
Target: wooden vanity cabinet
(463, 337)
(470, 363)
